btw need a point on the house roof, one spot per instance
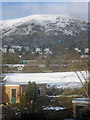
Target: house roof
(60, 79)
(81, 101)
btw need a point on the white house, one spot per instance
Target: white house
(4, 49)
(11, 50)
(86, 50)
(77, 50)
(38, 50)
(47, 51)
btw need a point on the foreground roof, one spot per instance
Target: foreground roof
(60, 79)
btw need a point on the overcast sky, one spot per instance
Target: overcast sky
(12, 10)
(45, 0)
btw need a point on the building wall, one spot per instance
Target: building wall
(23, 88)
(78, 109)
(6, 93)
(74, 112)
(43, 87)
(40, 86)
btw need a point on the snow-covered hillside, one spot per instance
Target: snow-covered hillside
(40, 29)
(60, 79)
(38, 18)
(62, 21)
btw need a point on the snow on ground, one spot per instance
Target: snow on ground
(60, 79)
(57, 96)
(54, 108)
(14, 65)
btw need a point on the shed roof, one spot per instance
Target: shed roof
(81, 101)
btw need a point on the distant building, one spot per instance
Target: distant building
(17, 48)
(86, 50)
(77, 50)
(11, 50)
(19, 56)
(38, 50)
(84, 56)
(47, 51)
(4, 49)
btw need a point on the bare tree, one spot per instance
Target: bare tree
(80, 73)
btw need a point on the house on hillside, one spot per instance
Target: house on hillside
(4, 49)
(86, 50)
(47, 51)
(11, 91)
(38, 50)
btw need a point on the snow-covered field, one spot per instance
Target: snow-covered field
(60, 79)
